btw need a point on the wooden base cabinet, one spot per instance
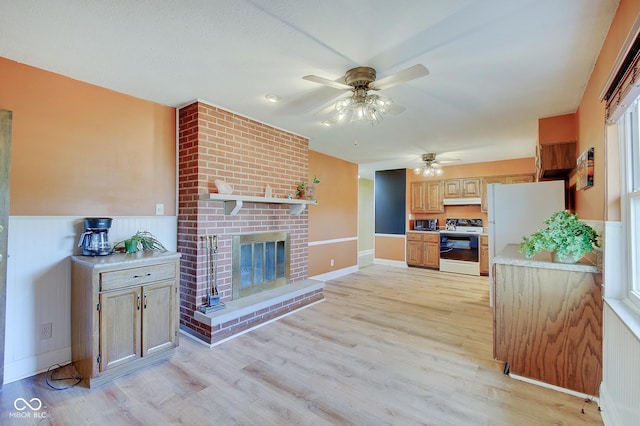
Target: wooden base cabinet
(423, 249)
(548, 324)
(124, 313)
(484, 255)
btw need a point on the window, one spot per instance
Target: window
(629, 131)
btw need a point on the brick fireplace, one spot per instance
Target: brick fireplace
(214, 144)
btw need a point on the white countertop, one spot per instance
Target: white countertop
(119, 259)
(511, 256)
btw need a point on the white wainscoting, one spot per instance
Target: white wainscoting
(620, 389)
(39, 284)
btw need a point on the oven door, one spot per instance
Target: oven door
(460, 247)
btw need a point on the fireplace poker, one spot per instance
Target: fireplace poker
(214, 244)
(213, 298)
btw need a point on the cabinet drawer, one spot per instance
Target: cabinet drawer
(432, 238)
(136, 276)
(412, 236)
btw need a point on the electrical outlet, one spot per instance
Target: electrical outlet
(46, 331)
(159, 209)
(332, 262)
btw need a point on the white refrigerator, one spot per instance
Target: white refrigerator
(518, 210)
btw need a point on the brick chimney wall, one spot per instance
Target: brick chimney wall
(248, 155)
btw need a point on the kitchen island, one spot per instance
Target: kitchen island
(548, 320)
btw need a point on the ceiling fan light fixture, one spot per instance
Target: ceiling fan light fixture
(363, 108)
(430, 167)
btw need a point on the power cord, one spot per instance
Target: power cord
(50, 375)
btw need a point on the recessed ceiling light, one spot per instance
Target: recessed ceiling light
(327, 123)
(272, 98)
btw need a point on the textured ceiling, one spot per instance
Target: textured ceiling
(496, 66)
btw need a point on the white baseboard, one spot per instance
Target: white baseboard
(389, 262)
(34, 365)
(609, 414)
(555, 388)
(336, 274)
(365, 258)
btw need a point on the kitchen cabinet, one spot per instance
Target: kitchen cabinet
(462, 188)
(507, 179)
(124, 313)
(526, 178)
(484, 255)
(484, 205)
(452, 188)
(418, 197)
(423, 249)
(426, 197)
(555, 160)
(548, 320)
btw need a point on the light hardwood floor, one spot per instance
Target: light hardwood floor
(389, 346)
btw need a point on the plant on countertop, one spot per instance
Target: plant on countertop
(306, 190)
(140, 241)
(565, 235)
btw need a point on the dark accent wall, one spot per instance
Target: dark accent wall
(390, 201)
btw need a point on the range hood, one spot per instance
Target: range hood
(462, 201)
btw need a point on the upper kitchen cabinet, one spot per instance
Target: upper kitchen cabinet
(418, 197)
(520, 178)
(555, 160)
(523, 178)
(484, 205)
(426, 197)
(462, 188)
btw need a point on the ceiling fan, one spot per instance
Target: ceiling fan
(360, 105)
(431, 166)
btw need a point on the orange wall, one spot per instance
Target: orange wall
(389, 248)
(336, 215)
(561, 128)
(81, 150)
(490, 168)
(591, 112)
(344, 255)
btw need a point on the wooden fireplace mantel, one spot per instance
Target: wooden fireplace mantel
(233, 203)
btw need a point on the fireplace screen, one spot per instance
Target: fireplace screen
(259, 262)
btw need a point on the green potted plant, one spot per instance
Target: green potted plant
(140, 241)
(566, 237)
(306, 190)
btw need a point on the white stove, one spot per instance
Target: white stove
(459, 246)
(464, 226)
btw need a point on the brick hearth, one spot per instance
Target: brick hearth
(217, 144)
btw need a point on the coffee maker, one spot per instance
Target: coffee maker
(95, 241)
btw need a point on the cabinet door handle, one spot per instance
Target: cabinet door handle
(148, 274)
(138, 302)
(145, 300)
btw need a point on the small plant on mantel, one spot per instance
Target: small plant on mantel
(566, 237)
(305, 190)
